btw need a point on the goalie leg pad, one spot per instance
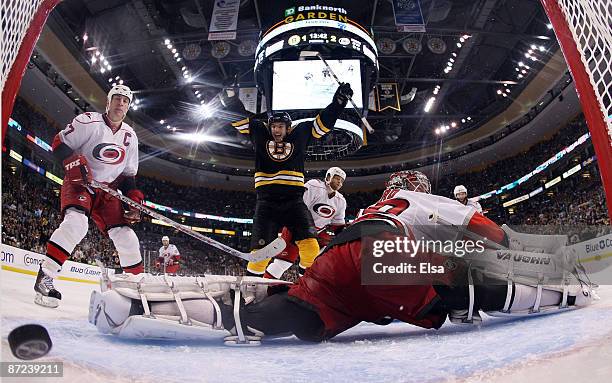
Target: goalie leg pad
(536, 243)
(541, 299)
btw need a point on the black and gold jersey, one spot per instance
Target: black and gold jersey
(279, 166)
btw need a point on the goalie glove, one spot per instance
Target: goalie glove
(76, 170)
(132, 216)
(342, 95)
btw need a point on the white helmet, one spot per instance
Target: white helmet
(121, 90)
(459, 189)
(165, 238)
(334, 171)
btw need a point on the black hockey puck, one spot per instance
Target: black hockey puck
(29, 341)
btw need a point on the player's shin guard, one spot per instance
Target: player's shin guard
(128, 247)
(257, 269)
(277, 268)
(282, 262)
(64, 239)
(309, 250)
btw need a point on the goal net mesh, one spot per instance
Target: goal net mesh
(590, 22)
(16, 17)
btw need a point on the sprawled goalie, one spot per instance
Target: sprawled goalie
(516, 274)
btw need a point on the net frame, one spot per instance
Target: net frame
(583, 30)
(22, 22)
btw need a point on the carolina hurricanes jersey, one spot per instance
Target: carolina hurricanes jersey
(426, 216)
(474, 204)
(108, 154)
(324, 210)
(168, 253)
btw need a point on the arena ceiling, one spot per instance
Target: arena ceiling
(487, 40)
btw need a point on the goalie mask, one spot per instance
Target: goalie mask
(410, 180)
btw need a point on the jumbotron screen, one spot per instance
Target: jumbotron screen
(300, 85)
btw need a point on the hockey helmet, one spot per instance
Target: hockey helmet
(459, 189)
(411, 180)
(334, 171)
(120, 90)
(280, 117)
(165, 239)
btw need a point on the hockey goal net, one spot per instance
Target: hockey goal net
(22, 22)
(583, 28)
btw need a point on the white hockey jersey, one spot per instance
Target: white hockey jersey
(474, 204)
(324, 210)
(426, 216)
(108, 154)
(168, 253)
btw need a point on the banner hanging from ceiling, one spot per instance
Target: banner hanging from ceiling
(408, 16)
(387, 97)
(224, 20)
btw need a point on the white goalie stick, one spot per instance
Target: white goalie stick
(272, 249)
(304, 54)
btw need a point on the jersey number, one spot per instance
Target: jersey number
(393, 206)
(69, 129)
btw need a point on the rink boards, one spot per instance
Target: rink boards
(27, 262)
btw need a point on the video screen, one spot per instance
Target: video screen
(310, 85)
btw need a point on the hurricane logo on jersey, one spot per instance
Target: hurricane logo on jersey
(324, 210)
(279, 151)
(110, 154)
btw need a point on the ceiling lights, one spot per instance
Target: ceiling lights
(429, 104)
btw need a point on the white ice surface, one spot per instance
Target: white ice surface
(568, 347)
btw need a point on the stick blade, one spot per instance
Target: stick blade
(270, 251)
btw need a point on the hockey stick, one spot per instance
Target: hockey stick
(365, 122)
(271, 250)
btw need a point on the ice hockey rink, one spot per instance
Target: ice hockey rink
(568, 347)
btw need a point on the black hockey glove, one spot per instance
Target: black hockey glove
(343, 93)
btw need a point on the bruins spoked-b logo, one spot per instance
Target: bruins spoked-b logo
(110, 154)
(279, 151)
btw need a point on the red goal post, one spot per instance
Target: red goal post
(22, 22)
(583, 29)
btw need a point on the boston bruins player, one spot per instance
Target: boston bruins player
(279, 176)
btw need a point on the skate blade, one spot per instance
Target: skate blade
(251, 341)
(46, 301)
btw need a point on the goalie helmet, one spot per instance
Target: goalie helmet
(280, 117)
(460, 189)
(120, 90)
(334, 171)
(410, 180)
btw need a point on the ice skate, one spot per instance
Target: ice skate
(46, 294)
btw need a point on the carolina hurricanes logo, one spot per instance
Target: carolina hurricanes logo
(279, 151)
(110, 154)
(324, 210)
